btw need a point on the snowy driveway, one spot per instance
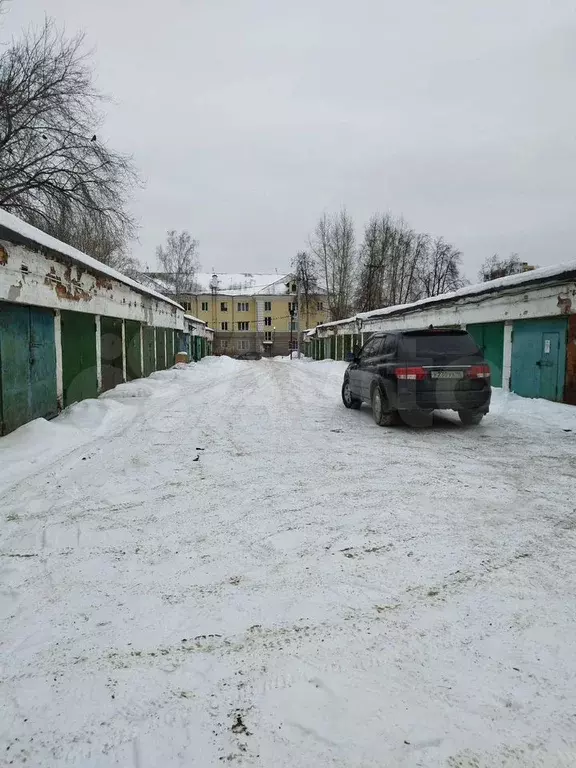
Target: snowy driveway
(313, 591)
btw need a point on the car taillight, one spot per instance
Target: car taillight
(411, 374)
(478, 372)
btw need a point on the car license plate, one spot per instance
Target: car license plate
(446, 374)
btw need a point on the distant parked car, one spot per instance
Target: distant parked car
(250, 355)
(414, 372)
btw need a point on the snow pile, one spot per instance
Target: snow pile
(40, 443)
(222, 363)
(138, 388)
(532, 410)
(94, 416)
(36, 443)
(337, 365)
(292, 358)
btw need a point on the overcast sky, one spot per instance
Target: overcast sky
(249, 118)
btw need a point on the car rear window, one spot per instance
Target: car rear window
(430, 344)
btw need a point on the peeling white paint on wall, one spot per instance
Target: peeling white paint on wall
(30, 277)
(526, 305)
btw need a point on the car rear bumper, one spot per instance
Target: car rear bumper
(474, 396)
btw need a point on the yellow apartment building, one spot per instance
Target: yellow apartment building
(251, 312)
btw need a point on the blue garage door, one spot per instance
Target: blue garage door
(539, 358)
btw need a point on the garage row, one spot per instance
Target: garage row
(528, 336)
(88, 354)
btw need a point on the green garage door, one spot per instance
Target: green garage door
(111, 352)
(133, 352)
(332, 352)
(170, 357)
(79, 374)
(27, 365)
(490, 339)
(149, 362)
(160, 349)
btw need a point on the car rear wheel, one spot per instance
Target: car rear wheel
(349, 400)
(381, 412)
(470, 418)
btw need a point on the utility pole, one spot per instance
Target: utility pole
(298, 313)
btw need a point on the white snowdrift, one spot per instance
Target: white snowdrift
(40, 442)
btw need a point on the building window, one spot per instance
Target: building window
(243, 306)
(294, 325)
(267, 306)
(187, 306)
(204, 306)
(223, 306)
(320, 306)
(293, 287)
(224, 326)
(292, 307)
(224, 344)
(244, 326)
(292, 345)
(267, 335)
(267, 321)
(243, 344)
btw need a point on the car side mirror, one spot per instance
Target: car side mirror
(352, 357)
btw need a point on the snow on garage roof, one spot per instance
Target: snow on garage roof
(542, 274)
(28, 234)
(195, 319)
(565, 270)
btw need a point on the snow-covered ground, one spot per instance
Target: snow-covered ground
(314, 590)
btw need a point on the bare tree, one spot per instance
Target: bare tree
(390, 256)
(304, 268)
(439, 268)
(92, 235)
(369, 290)
(334, 248)
(52, 160)
(494, 267)
(179, 260)
(406, 250)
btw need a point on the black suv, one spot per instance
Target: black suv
(401, 373)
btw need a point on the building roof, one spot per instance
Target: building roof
(245, 283)
(564, 271)
(229, 283)
(15, 230)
